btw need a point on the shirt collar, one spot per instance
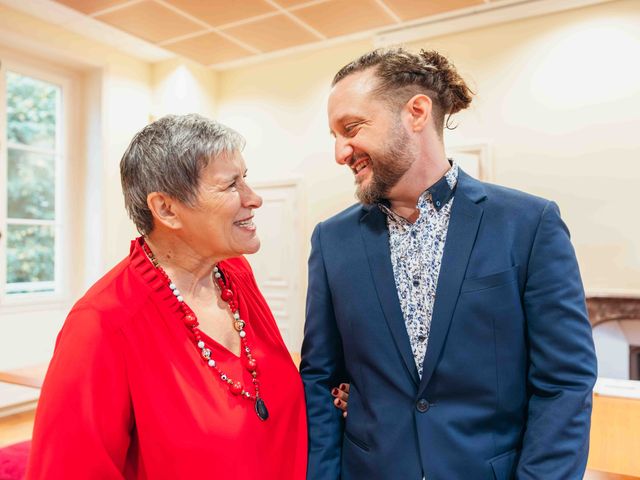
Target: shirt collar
(439, 193)
(442, 191)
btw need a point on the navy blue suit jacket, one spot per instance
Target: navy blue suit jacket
(510, 364)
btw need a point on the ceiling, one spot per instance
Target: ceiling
(215, 32)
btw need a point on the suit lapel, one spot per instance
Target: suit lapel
(375, 235)
(461, 236)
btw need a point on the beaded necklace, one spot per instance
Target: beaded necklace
(191, 321)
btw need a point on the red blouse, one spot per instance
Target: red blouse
(127, 394)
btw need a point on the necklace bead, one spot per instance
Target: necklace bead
(236, 388)
(226, 295)
(191, 321)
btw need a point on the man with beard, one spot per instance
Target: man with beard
(454, 308)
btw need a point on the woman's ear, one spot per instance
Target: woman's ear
(164, 211)
(419, 108)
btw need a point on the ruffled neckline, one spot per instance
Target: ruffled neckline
(150, 275)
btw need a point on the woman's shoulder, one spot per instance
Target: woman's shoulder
(114, 298)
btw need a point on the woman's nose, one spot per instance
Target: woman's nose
(252, 199)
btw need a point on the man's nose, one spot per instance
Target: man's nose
(343, 151)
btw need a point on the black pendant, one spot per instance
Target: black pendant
(261, 409)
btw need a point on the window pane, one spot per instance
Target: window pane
(31, 185)
(30, 256)
(31, 111)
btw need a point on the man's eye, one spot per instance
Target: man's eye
(351, 127)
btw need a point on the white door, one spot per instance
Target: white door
(278, 265)
(473, 158)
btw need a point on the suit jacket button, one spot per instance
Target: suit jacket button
(422, 405)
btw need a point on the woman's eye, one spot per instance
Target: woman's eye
(238, 183)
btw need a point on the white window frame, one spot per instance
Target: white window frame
(60, 293)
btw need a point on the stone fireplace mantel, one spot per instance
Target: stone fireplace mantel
(616, 332)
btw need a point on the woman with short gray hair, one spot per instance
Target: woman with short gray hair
(171, 365)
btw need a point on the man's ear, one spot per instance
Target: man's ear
(164, 211)
(419, 108)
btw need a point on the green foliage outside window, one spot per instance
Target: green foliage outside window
(30, 253)
(32, 111)
(31, 186)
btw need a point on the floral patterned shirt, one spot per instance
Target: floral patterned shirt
(416, 256)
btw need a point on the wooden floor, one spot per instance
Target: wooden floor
(16, 428)
(594, 475)
(615, 442)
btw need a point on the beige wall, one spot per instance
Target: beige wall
(557, 100)
(181, 86)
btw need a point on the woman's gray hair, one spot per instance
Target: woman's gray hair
(168, 156)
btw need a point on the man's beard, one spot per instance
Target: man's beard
(387, 168)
